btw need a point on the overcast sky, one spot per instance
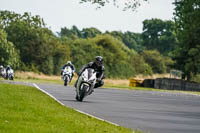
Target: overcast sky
(65, 13)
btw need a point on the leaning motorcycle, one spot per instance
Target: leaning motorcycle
(10, 74)
(85, 84)
(66, 75)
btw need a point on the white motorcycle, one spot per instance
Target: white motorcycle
(85, 84)
(3, 72)
(10, 74)
(66, 75)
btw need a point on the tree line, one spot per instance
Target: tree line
(33, 47)
(27, 44)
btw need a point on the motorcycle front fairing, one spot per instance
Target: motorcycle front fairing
(3, 72)
(67, 72)
(10, 73)
(87, 78)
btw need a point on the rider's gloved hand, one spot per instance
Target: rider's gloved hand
(61, 72)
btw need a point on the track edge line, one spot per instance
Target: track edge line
(36, 86)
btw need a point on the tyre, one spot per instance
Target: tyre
(82, 93)
(65, 81)
(11, 78)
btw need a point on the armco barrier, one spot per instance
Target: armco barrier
(148, 83)
(176, 84)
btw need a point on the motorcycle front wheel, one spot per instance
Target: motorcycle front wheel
(82, 93)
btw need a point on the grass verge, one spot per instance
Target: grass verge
(25, 109)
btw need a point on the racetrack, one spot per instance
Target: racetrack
(156, 112)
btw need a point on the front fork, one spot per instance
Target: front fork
(80, 84)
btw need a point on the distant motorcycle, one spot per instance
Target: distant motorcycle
(10, 74)
(3, 72)
(66, 75)
(85, 84)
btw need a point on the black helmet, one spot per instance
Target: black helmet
(99, 61)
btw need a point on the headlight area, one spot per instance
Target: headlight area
(91, 81)
(84, 78)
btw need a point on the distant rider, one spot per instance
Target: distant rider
(7, 68)
(69, 63)
(98, 66)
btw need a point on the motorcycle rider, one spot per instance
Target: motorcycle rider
(98, 66)
(69, 63)
(7, 68)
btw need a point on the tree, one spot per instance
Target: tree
(160, 35)
(187, 18)
(8, 53)
(126, 4)
(65, 32)
(130, 39)
(90, 32)
(157, 62)
(75, 33)
(39, 49)
(114, 52)
(116, 56)
(138, 62)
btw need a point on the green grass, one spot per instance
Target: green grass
(25, 109)
(41, 81)
(36, 80)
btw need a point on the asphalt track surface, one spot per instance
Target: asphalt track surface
(154, 112)
(151, 112)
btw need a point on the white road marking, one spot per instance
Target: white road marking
(47, 94)
(74, 109)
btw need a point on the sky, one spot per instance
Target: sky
(66, 13)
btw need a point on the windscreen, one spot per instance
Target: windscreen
(90, 72)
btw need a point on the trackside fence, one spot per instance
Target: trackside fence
(175, 84)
